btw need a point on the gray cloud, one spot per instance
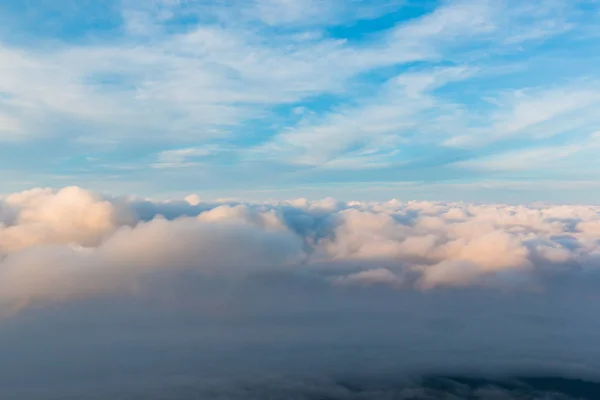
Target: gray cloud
(98, 290)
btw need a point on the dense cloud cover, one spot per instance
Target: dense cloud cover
(73, 243)
(95, 288)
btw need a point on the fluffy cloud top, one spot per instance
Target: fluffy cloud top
(73, 243)
(128, 287)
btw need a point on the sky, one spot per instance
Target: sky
(308, 199)
(467, 100)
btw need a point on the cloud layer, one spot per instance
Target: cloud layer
(322, 286)
(58, 243)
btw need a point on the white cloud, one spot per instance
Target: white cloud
(429, 244)
(8, 125)
(185, 157)
(209, 76)
(181, 89)
(527, 110)
(280, 12)
(378, 276)
(520, 160)
(537, 114)
(376, 126)
(560, 157)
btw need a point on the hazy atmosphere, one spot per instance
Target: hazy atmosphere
(299, 199)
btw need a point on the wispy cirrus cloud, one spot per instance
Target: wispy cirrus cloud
(380, 85)
(379, 126)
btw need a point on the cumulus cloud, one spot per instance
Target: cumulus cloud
(350, 286)
(42, 217)
(64, 241)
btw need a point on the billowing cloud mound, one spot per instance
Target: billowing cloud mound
(73, 243)
(295, 286)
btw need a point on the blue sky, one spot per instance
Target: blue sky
(452, 100)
